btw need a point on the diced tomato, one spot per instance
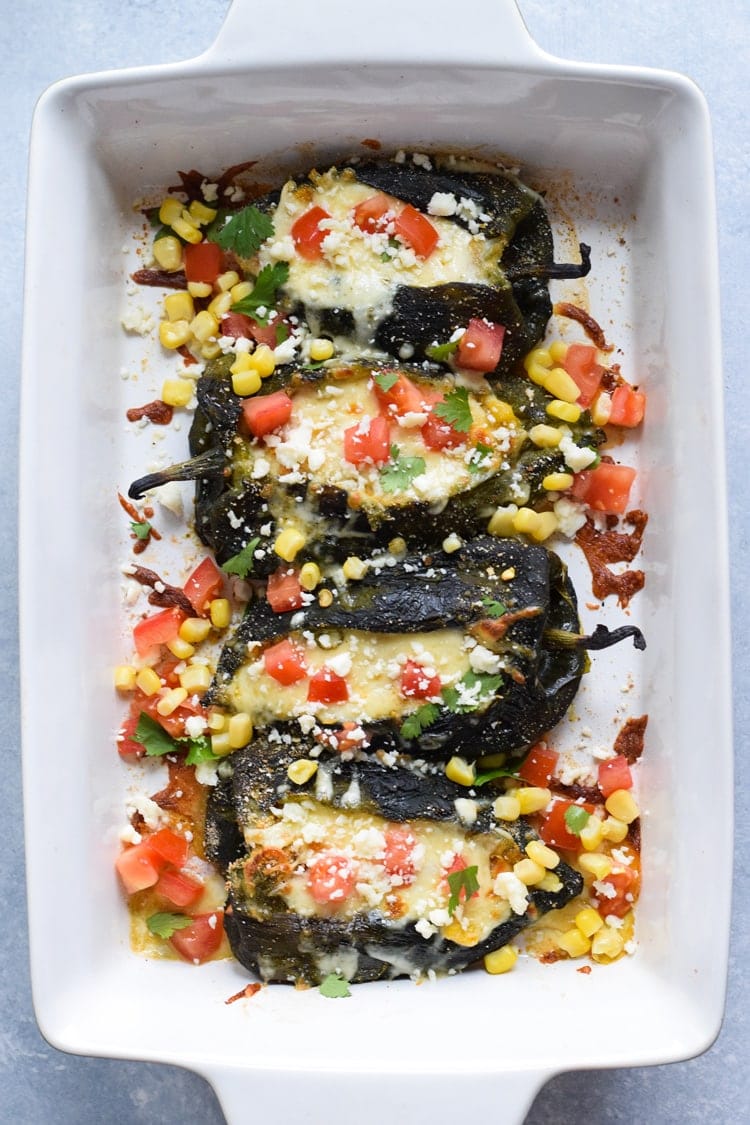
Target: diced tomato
(481, 345)
(267, 333)
(458, 863)
(170, 846)
(159, 629)
(178, 887)
(416, 683)
(284, 662)
(539, 765)
(580, 363)
(265, 413)
(605, 488)
(201, 939)
(400, 843)
(125, 740)
(237, 325)
(553, 829)
(139, 867)
(624, 883)
(628, 406)
(439, 434)
(326, 686)
(614, 774)
(307, 234)
(416, 230)
(203, 262)
(283, 591)
(368, 443)
(370, 214)
(404, 397)
(173, 724)
(332, 878)
(204, 584)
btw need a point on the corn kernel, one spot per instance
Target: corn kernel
(263, 361)
(241, 290)
(177, 392)
(557, 482)
(246, 383)
(546, 437)
(589, 921)
(508, 574)
(592, 834)
(217, 721)
(309, 576)
(302, 770)
(171, 700)
(196, 679)
(537, 373)
(533, 799)
(546, 525)
(542, 356)
(174, 333)
(240, 730)
(220, 612)
(220, 305)
(550, 883)
(220, 744)
(574, 943)
(148, 681)
(541, 854)
(607, 944)
(170, 210)
(558, 350)
(614, 830)
(452, 543)
(201, 213)
(354, 569)
(179, 306)
(241, 363)
(595, 863)
(601, 408)
(203, 325)
(529, 872)
(325, 598)
(289, 543)
(211, 349)
(526, 521)
(621, 805)
(397, 546)
(183, 650)
(167, 252)
(228, 280)
(186, 217)
(507, 808)
(186, 229)
(320, 350)
(199, 289)
(460, 771)
(124, 677)
(501, 522)
(195, 629)
(561, 385)
(501, 412)
(565, 411)
(500, 960)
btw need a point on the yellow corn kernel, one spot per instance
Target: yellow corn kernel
(220, 744)
(240, 730)
(183, 650)
(242, 362)
(196, 679)
(246, 383)
(171, 700)
(546, 525)
(595, 863)
(561, 385)
(195, 629)
(174, 333)
(302, 770)
(558, 350)
(354, 569)
(124, 677)
(557, 482)
(177, 392)
(220, 305)
(217, 721)
(529, 872)
(526, 521)
(148, 681)
(507, 808)
(211, 349)
(546, 437)
(186, 229)
(309, 576)
(601, 408)
(199, 289)
(289, 543)
(263, 361)
(542, 855)
(574, 943)
(220, 612)
(614, 830)
(607, 944)
(592, 834)
(320, 350)
(186, 217)
(501, 412)
(537, 373)
(325, 598)
(228, 280)
(179, 306)
(241, 290)
(397, 546)
(500, 960)
(565, 411)
(542, 356)
(621, 805)
(501, 523)
(461, 771)
(532, 799)
(550, 883)
(508, 574)
(203, 325)
(168, 252)
(201, 213)
(589, 921)
(170, 210)
(452, 543)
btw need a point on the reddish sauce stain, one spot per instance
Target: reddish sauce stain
(585, 969)
(157, 412)
(245, 993)
(161, 279)
(587, 322)
(368, 142)
(629, 741)
(187, 355)
(611, 546)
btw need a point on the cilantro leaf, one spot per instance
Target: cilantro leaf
(282, 333)
(576, 818)
(215, 227)
(490, 775)
(386, 379)
(263, 295)
(471, 691)
(153, 736)
(244, 232)
(441, 352)
(163, 231)
(164, 925)
(480, 455)
(455, 410)
(423, 717)
(464, 880)
(242, 563)
(141, 530)
(200, 751)
(334, 987)
(398, 475)
(493, 608)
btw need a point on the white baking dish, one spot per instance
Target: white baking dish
(476, 1045)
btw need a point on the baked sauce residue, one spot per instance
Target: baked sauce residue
(158, 412)
(245, 993)
(629, 742)
(611, 546)
(161, 279)
(587, 323)
(162, 594)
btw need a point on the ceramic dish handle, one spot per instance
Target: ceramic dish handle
(326, 1098)
(300, 31)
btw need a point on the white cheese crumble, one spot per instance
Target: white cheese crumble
(577, 457)
(442, 203)
(509, 886)
(570, 516)
(482, 660)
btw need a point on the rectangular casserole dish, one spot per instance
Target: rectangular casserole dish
(635, 147)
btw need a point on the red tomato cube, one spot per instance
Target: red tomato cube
(172, 847)
(580, 363)
(204, 584)
(125, 741)
(139, 867)
(201, 939)
(178, 887)
(331, 879)
(203, 262)
(628, 407)
(416, 230)
(400, 843)
(605, 488)
(237, 325)
(368, 442)
(308, 235)
(326, 686)
(625, 885)
(284, 662)
(416, 683)
(481, 345)
(439, 434)
(283, 591)
(614, 774)
(265, 413)
(539, 765)
(554, 830)
(373, 214)
(404, 397)
(158, 629)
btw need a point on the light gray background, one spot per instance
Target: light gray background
(44, 42)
